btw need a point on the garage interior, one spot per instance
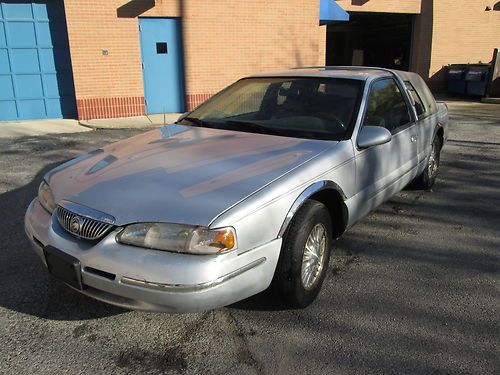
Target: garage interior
(374, 39)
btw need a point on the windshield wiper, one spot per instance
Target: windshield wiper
(246, 125)
(197, 122)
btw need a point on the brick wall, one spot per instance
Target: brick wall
(226, 40)
(453, 32)
(462, 32)
(422, 40)
(109, 85)
(223, 41)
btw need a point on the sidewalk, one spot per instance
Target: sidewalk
(137, 122)
(10, 129)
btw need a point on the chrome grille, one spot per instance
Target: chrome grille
(81, 226)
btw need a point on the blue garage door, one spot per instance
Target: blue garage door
(35, 69)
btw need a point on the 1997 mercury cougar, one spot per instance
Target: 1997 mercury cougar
(246, 191)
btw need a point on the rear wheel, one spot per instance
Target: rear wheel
(304, 255)
(428, 177)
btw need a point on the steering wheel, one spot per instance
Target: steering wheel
(331, 116)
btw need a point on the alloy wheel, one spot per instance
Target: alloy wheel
(313, 259)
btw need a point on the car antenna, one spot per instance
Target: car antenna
(165, 122)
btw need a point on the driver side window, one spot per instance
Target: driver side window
(386, 106)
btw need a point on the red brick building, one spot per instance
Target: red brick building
(95, 59)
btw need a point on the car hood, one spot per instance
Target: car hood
(179, 174)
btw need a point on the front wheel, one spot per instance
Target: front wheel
(304, 255)
(428, 177)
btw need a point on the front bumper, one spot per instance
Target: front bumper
(143, 279)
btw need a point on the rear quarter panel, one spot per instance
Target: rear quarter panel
(444, 119)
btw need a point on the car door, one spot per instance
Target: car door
(385, 169)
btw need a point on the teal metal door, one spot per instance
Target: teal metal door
(36, 80)
(162, 64)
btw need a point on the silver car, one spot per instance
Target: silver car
(245, 192)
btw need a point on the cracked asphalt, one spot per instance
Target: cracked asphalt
(411, 289)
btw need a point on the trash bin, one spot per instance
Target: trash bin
(477, 79)
(456, 79)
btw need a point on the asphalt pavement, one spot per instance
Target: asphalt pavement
(414, 288)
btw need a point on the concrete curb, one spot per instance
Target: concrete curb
(117, 126)
(490, 100)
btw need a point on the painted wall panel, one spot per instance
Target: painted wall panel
(36, 80)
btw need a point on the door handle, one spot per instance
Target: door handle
(413, 138)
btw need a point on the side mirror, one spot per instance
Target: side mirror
(370, 136)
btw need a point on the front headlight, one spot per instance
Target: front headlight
(179, 238)
(45, 197)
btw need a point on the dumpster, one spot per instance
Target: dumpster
(456, 79)
(477, 79)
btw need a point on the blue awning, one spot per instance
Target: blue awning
(330, 11)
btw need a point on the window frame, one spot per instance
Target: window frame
(356, 110)
(405, 99)
(410, 87)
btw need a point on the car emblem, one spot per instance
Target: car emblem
(76, 224)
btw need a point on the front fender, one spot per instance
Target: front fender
(306, 194)
(266, 214)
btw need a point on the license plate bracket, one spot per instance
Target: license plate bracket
(64, 267)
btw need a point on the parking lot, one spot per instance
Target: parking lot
(414, 288)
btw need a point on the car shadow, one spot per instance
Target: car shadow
(268, 300)
(25, 284)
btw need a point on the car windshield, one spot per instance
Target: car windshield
(317, 108)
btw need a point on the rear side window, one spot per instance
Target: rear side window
(419, 104)
(386, 106)
(425, 94)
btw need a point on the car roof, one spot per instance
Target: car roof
(362, 73)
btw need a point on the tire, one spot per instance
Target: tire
(296, 283)
(428, 177)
